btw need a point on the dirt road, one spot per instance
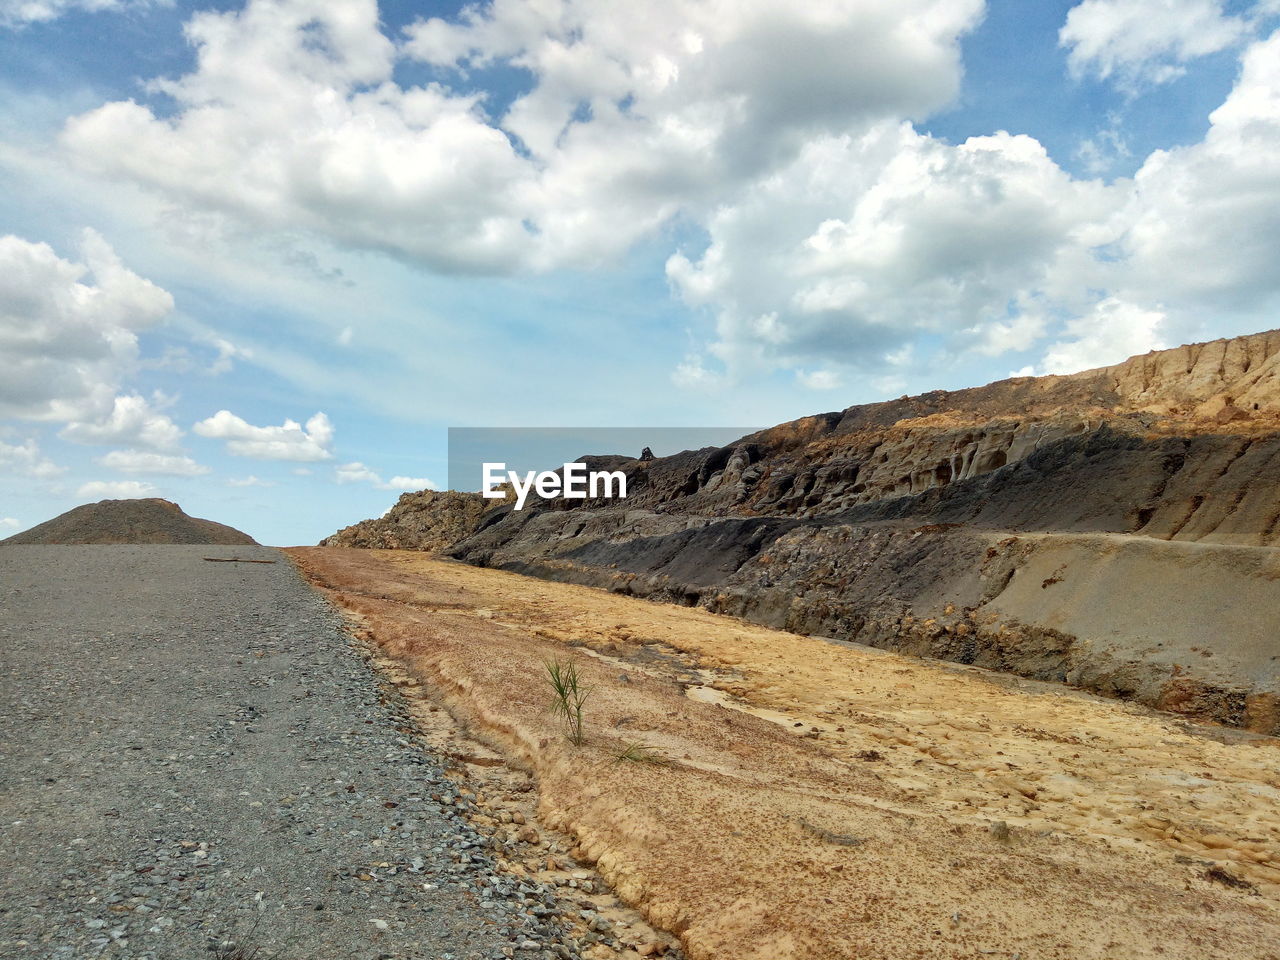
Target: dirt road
(195, 756)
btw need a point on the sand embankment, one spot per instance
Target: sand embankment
(826, 800)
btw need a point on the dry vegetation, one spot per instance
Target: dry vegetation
(830, 801)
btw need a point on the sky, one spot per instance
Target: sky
(258, 257)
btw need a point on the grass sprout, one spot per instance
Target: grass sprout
(569, 695)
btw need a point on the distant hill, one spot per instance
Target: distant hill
(130, 521)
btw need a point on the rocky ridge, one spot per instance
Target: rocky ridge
(1116, 529)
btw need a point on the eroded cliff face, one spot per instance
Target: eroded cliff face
(916, 525)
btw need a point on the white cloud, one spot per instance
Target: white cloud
(138, 461)
(291, 441)
(818, 379)
(65, 343)
(249, 481)
(1201, 226)
(692, 373)
(410, 483)
(1113, 331)
(133, 421)
(1137, 41)
(176, 359)
(343, 339)
(890, 385)
(15, 13)
(227, 353)
(357, 472)
(874, 241)
(988, 247)
(10, 523)
(1020, 331)
(25, 460)
(636, 112)
(116, 489)
(783, 131)
(1107, 147)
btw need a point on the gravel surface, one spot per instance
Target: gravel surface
(198, 762)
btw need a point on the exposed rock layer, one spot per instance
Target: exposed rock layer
(1142, 499)
(130, 521)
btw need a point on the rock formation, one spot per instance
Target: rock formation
(1117, 529)
(427, 520)
(130, 521)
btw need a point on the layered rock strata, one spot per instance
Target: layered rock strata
(1117, 529)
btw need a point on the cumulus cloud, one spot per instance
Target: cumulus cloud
(133, 421)
(874, 240)
(878, 241)
(25, 460)
(228, 353)
(692, 373)
(10, 523)
(291, 441)
(249, 481)
(818, 379)
(778, 134)
(1113, 331)
(1201, 226)
(635, 113)
(14, 13)
(1137, 41)
(116, 489)
(357, 472)
(1107, 147)
(66, 342)
(141, 461)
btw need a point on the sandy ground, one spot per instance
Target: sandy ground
(824, 800)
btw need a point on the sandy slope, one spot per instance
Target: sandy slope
(828, 800)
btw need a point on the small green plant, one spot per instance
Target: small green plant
(640, 753)
(568, 695)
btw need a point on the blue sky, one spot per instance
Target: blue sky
(258, 257)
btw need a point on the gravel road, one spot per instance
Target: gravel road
(198, 762)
